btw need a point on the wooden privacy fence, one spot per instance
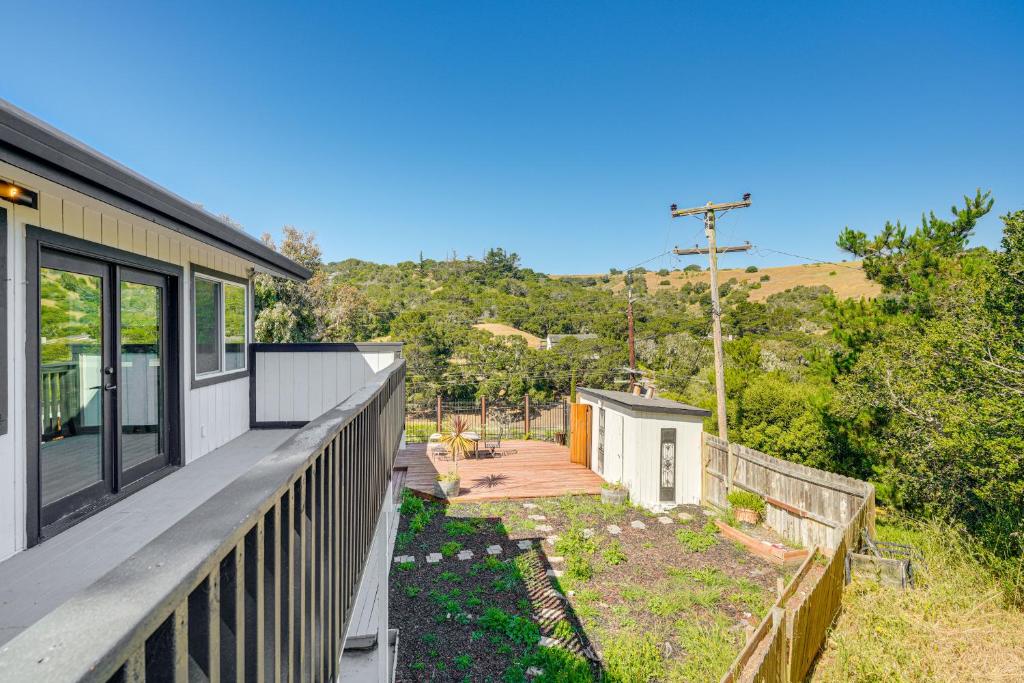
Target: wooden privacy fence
(821, 510)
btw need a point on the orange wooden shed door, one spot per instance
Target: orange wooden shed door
(579, 420)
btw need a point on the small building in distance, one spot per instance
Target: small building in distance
(650, 445)
(552, 340)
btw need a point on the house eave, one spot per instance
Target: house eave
(37, 147)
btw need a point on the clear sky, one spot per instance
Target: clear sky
(561, 131)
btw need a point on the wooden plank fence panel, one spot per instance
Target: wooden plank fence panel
(810, 621)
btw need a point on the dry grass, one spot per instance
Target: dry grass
(846, 280)
(502, 330)
(955, 626)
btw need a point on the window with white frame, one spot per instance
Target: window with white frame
(220, 323)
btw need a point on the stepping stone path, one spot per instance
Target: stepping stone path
(637, 524)
(465, 554)
(552, 539)
(556, 559)
(530, 506)
(434, 558)
(588, 533)
(404, 558)
(525, 545)
(555, 573)
(545, 528)
(614, 530)
(536, 518)
(685, 517)
(549, 613)
(494, 550)
(665, 520)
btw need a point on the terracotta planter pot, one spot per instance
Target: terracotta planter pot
(614, 496)
(747, 515)
(449, 489)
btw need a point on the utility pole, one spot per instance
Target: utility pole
(632, 339)
(713, 250)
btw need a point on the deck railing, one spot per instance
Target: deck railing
(256, 584)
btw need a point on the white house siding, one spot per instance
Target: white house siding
(222, 409)
(299, 386)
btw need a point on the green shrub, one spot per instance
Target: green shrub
(696, 541)
(578, 568)
(459, 527)
(614, 553)
(747, 500)
(751, 269)
(450, 548)
(463, 662)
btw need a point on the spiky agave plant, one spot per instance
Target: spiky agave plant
(456, 440)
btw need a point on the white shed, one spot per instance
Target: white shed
(652, 445)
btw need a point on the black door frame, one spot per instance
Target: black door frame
(38, 239)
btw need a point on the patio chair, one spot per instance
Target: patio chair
(435, 447)
(492, 445)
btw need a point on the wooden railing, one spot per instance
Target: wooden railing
(822, 510)
(256, 584)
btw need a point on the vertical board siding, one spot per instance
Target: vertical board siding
(292, 387)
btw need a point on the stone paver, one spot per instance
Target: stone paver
(552, 593)
(555, 573)
(534, 671)
(665, 520)
(588, 533)
(637, 524)
(550, 613)
(404, 558)
(614, 530)
(552, 540)
(685, 517)
(525, 545)
(557, 558)
(434, 558)
(530, 506)
(465, 554)
(494, 550)
(546, 528)
(536, 518)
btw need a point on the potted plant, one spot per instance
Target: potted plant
(613, 493)
(457, 443)
(747, 506)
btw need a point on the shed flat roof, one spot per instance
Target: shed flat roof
(37, 147)
(660, 405)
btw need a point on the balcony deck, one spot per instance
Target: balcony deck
(35, 582)
(531, 469)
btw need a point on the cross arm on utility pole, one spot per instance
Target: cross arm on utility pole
(721, 206)
(705, 250)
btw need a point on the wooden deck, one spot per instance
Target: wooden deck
(535, 469)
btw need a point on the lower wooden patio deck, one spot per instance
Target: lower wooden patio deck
(530, 469)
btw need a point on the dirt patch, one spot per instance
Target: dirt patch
(686, 596)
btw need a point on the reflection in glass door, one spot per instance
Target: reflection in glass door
(73, 354)
(141, 393)
(102, 381)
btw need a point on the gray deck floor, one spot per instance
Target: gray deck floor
(34, 582)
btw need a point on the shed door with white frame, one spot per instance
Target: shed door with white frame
(668, 465)
(600, 440)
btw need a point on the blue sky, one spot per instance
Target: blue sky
(561, 131)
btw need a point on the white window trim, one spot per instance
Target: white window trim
(222, 346)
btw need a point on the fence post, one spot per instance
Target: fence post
(728, 469)
(439, 413)
(526, 415)
(483, 415)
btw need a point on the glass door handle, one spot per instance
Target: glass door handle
(110, 387)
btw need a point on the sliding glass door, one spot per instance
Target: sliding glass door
(103, 340)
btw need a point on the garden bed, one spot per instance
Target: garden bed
(666, 597)
(753, 539)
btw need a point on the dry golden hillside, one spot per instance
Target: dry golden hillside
(846, 280)
(502, 330)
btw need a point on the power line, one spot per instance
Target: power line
(758, 250)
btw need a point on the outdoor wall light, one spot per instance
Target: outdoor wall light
(17, 194)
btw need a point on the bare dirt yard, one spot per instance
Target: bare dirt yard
(568, 589)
